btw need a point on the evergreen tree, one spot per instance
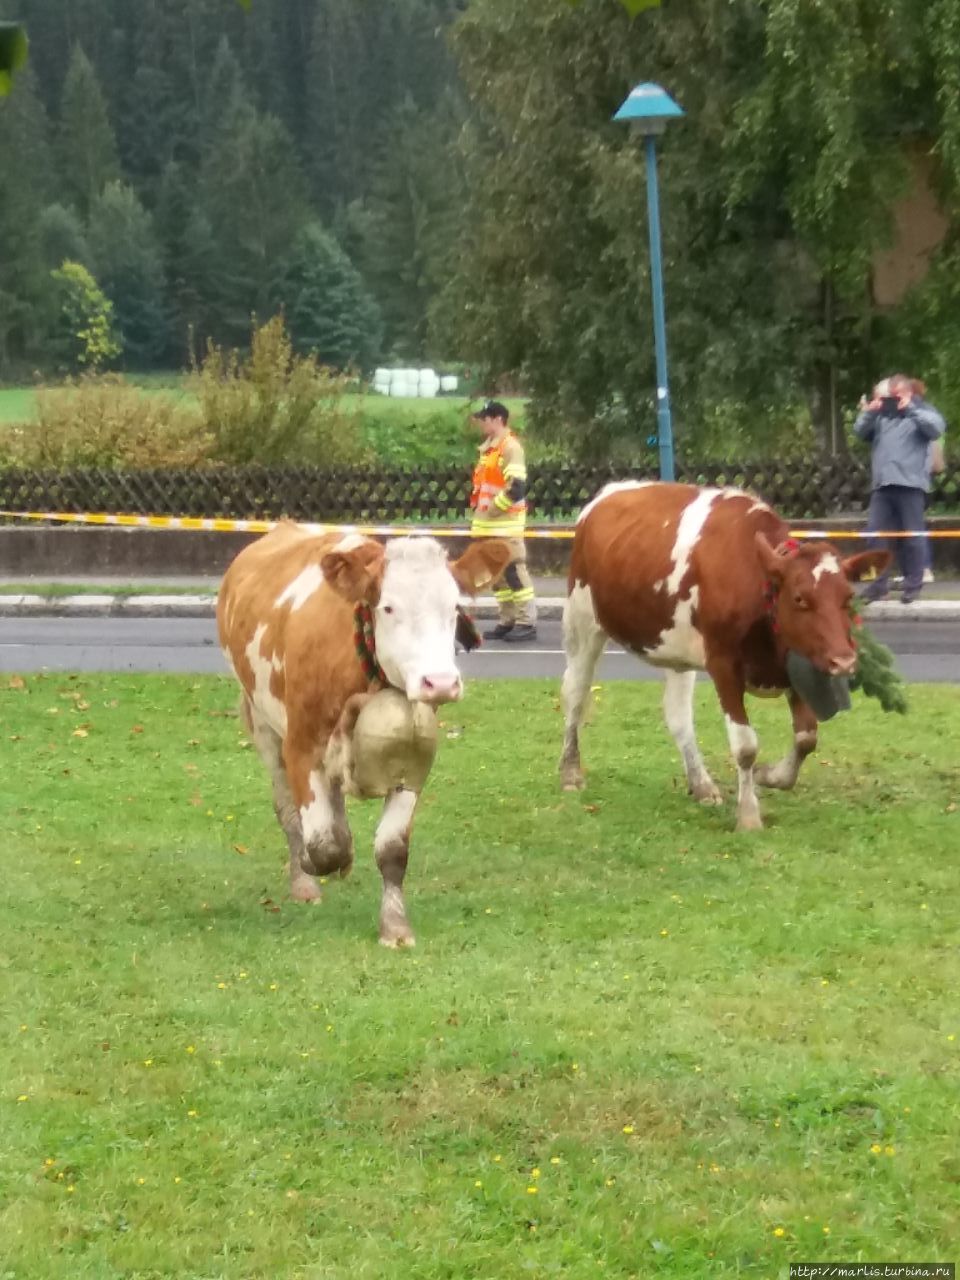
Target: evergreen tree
(224, 96)
(24, 174)
(87, 146)
(329, 312)
(63, 237)
(189, 257)
(412, 214)
(129, 266)
(252, 194)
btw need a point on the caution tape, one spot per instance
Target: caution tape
(217, 524)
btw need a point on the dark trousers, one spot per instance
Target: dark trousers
(896, 507)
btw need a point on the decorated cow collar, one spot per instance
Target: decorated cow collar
(365, 644)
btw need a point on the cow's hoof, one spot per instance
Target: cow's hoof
(305, 889)
(706, 792)
(397, 940)
(749, 822)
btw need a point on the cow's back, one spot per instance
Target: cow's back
(647, 550)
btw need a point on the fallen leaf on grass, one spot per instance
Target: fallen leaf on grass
(241, 848)
(81, 733)
(137, 728)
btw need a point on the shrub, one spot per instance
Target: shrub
(274, 406)
(83, 333)
(104, 422)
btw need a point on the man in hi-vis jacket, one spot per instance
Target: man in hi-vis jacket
(500, 511)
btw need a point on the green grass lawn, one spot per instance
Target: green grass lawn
(16, 404)
(629, 1042)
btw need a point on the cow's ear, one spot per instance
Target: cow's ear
(481, 564)
(357, 574)
(773, 565)
(856, 566)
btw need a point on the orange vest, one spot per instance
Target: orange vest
(489, 480)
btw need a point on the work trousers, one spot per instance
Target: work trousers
(513, 590)
(899, 507)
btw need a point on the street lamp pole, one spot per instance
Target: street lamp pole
(648, 108)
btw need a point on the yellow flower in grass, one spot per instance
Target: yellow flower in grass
(534, 1174)
(532, 1191)
(779, 1232)
(875, 1149)
(826, 1231)
(628, 1128)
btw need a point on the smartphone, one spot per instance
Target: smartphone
(890, 404)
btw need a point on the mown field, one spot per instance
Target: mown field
(629, 1042)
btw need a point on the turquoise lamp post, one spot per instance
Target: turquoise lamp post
(648, 108)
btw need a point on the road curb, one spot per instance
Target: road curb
(549, 608)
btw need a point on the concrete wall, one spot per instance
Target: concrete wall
(138, 554)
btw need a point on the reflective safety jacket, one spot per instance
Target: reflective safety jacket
(499, 490)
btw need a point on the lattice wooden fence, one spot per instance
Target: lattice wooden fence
(812, 489)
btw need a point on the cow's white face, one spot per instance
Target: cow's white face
(415, 622)
(413, 591)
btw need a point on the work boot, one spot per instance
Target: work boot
(522, 632)
(877, 590)
(499, 632)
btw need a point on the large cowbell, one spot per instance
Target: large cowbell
(825, 695)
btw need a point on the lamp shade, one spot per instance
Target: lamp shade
(649, 107)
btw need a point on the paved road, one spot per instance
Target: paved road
(927, 651)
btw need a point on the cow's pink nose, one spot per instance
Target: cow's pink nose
(440, 688)
(843, 666)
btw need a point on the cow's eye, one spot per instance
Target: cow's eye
(388, 608)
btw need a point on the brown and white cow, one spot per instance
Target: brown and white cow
(705, 580)
(287, 616)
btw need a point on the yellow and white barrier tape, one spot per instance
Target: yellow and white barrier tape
(216, 524)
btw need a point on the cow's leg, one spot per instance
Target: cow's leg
(303, 887)
(327, 842)
(783, 774)
(583, 641)
(392, 846)
(727, 676)
(678, 713)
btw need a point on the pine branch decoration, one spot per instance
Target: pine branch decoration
(876, 676)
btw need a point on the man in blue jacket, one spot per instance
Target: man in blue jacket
(899, 425)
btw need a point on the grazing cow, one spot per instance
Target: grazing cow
(706, 580)
(311, 624)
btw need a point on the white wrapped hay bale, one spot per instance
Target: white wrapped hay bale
(449, 382)
(429, 384)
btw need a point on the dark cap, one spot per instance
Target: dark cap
(493, 409)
